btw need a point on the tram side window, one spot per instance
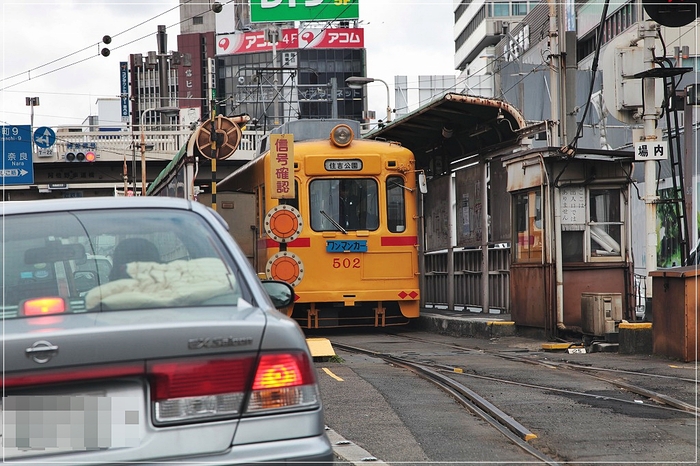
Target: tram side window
(528, 227)
(396, 204)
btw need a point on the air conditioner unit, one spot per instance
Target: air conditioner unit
(601, 313)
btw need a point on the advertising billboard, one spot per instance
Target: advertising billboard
(271, 11)
(291, 38)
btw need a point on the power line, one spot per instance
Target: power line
(113, 48)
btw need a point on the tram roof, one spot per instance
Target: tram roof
(477, 125)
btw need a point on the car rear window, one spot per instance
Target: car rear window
(119, 259)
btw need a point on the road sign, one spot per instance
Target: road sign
(44, 137)
(17, 164)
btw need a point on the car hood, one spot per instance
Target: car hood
(113, 337)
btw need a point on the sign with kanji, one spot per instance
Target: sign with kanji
(17, 163)
(281, 177)
(573, 207)
(648, 150)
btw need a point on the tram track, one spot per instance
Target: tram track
(450, 371)
(505, 424)
(598, 373)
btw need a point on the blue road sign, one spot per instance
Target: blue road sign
(44, 137)
(17, 164)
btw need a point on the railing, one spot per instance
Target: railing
(117, 145)
(467, 279)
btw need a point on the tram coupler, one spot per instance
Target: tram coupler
(312, 315)
(379, 312)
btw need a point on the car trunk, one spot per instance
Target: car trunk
(94, 377)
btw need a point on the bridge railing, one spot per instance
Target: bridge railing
(116, 145)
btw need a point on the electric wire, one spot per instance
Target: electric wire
(92, 45)
(570, 148)
(88, 47)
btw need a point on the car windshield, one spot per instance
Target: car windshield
(82, 261)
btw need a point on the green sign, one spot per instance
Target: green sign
(264, 11)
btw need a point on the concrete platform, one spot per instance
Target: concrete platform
(634, 338)
(465, 323)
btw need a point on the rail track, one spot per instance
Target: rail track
(471, 400)
(619, 390)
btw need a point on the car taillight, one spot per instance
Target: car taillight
(283, 382)
(43, 306)
(191, 390)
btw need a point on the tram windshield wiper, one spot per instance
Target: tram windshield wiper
(335, 224)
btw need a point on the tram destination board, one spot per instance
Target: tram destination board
(346, 246)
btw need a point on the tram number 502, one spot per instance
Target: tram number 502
(346, 263)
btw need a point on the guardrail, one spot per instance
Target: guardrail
(117, 145)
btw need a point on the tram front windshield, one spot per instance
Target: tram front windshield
(351, 204)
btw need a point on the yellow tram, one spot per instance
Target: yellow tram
(343, 231)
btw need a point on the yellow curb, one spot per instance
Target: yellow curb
(635, 325)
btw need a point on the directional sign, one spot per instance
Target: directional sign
(17, 164)
(44, 137)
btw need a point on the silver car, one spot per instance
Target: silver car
(176, 353)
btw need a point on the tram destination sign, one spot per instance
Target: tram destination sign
(342, 165)
(17, 163)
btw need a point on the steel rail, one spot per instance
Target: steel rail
(475, 403)
(588, 370)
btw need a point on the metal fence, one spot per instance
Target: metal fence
(115, 145)
(467, 279)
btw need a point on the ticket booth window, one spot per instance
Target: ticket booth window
(605, 223)
(592, 224)
(528, 227)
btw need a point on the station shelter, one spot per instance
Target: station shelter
(508, 227)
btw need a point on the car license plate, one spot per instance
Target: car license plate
(358, 245)
(48, 424)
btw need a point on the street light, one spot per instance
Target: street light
(357, 82)
(161, 110)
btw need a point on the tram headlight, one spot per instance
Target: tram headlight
(342, 135)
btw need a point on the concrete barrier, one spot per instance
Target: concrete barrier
(635, 338)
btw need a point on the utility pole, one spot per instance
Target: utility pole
(211, 75)
(554, 70)
(648, 33)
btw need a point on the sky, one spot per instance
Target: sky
(51, 50)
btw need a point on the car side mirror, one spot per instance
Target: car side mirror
(281, 293)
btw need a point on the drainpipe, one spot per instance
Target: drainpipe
(559, 271)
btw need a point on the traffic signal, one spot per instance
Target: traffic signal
(672, 13)
(81, 156)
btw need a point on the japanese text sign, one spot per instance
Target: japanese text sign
(281, 176)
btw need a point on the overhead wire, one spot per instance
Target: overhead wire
(88, 47)
(93, 45)
(570, 148)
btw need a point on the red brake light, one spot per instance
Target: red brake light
(43, 306)
(283, 382)
(188, 390)
(282, 370)
(180, 379)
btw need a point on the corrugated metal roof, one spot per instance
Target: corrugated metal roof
(478, 125)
